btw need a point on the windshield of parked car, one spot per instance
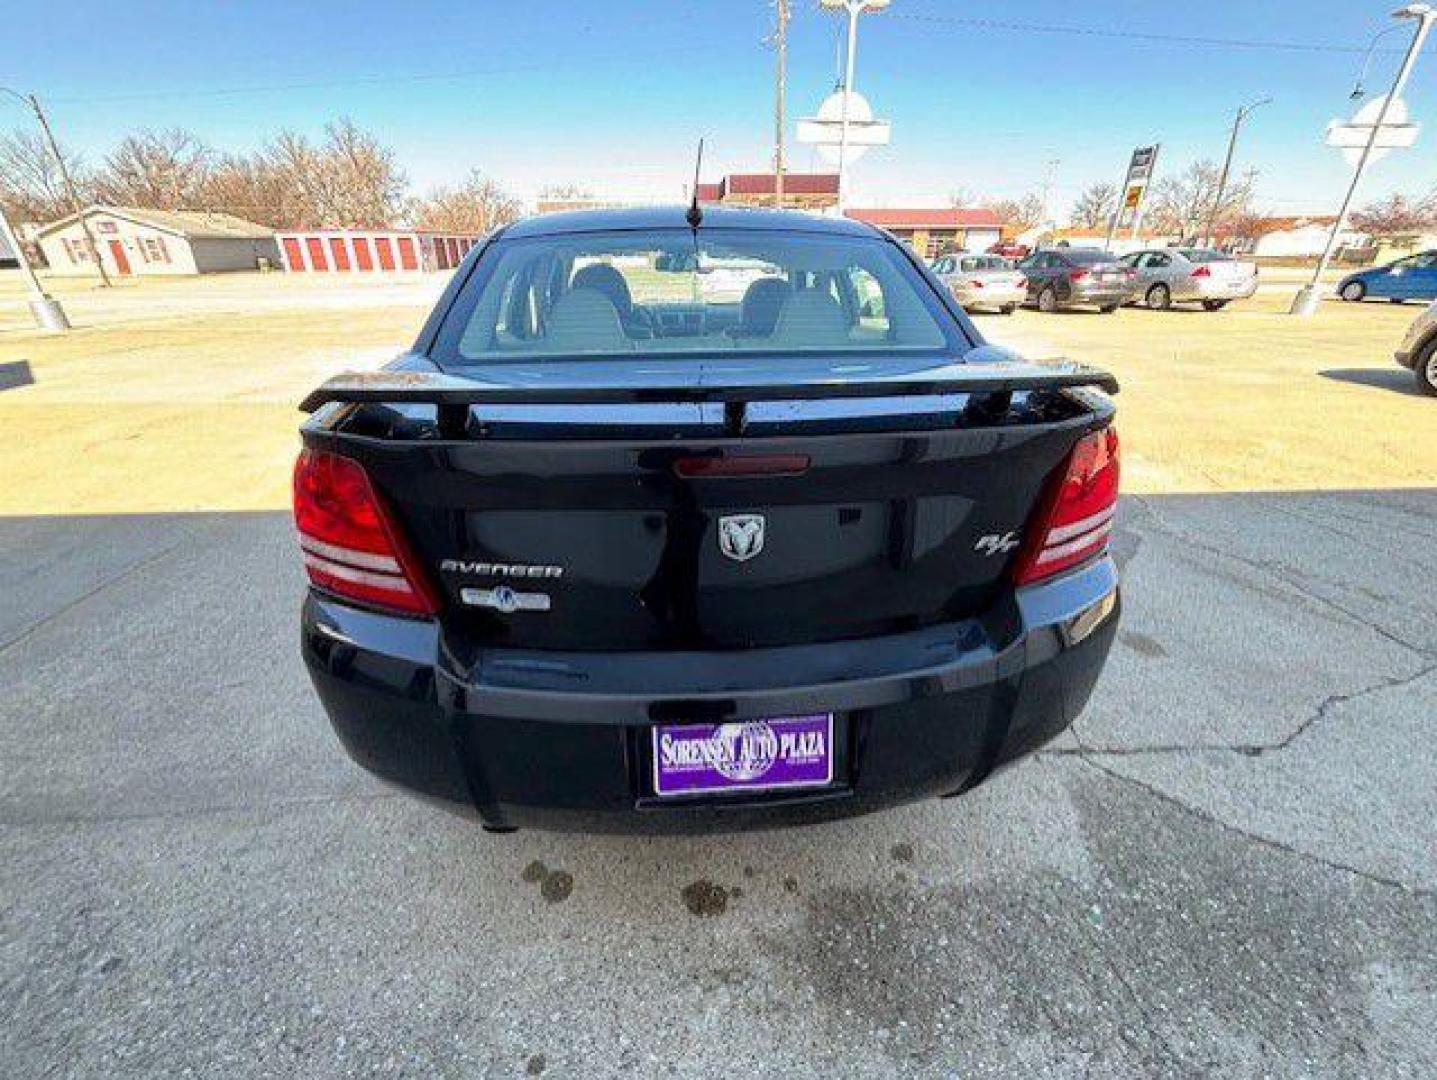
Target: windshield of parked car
(1204, 255)
(1088, 256)
(679, 291)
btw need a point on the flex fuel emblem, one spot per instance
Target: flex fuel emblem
(505, 599)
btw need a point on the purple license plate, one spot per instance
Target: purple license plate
(749, 755)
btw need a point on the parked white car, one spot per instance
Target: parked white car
(1191, 275)
(983, 281)
(1418, 350)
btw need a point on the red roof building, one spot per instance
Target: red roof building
(934, 231)
(801, 191)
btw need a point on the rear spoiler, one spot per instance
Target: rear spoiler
(444, 391)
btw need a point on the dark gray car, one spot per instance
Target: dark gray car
(1068, 277)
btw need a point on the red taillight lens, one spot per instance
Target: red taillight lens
(1075, 518)
(975, 284)
(1077, 275)
(1202, 271)
(352, 545)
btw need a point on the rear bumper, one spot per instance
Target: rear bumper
(991, 295)
(1210, 289)
(561, 740)
(1101, 296)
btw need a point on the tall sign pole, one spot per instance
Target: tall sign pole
(853, 9)
(49, 315)
(1310, 295)
(1132, 191)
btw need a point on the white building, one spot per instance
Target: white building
(139, 241)
(1298, 237)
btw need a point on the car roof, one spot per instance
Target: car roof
(647, 218)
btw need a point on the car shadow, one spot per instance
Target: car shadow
(1398, 380)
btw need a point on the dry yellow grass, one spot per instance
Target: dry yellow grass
(179, 396)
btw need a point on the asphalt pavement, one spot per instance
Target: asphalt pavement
(1228, 869)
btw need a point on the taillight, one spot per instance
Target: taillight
(352, 545)
(1077, 275)
(975, 284)
(1075, 518)
(1202, 271)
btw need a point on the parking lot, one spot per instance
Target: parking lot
(1227, 868)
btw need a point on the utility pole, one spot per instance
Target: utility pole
(46, 309)
(70, 190)
(781, 47)
(1242, 114)
(1310, 295)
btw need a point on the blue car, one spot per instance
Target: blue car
(1412, 278)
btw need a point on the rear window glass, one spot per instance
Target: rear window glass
(985, 262)
(1088, 256)
(612, 294)
(1204, 255)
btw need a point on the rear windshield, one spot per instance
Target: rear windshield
(613, 294)
(985, 262)
(1204, 255)
(1087, 256)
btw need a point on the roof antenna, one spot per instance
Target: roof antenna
(695, 215)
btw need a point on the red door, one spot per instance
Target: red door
(293, 255)
(340, 252)
(386, 253)
(362, 257)
(407, 261)
(441, 253)
(316, 253)
(117, 252)
(454, 253)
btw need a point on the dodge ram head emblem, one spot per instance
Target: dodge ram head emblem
(740, 536)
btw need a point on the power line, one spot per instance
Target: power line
(330, 84)
(1129, 35)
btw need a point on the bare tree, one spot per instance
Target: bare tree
(1019, 214)
(962, 197)
(163, 170)
(1095, 207)
(253, 188)
(31, 187)
(564, 192)
(477, 205)
(350, 180)
(1180, 204)
(1396, 215)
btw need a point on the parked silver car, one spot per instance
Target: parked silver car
(1418, 350)
(1191, 275)
(983, 281)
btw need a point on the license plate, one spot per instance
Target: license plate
(746, 755)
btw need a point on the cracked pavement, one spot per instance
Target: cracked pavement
(1227, 868)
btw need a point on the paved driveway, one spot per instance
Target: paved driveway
(1228, 872)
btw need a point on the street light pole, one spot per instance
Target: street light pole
(31, 102)
(46, 309)
(1242, 114)
(1310, 295)
(70, 189)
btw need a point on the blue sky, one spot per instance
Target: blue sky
(615, 95)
